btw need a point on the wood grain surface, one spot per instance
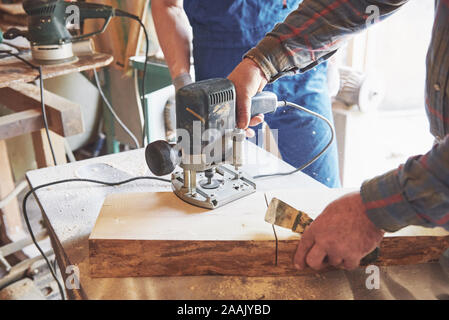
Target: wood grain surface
(12, 8)
(157, 234)
(143, 258)
(13, 70)
(64, 116)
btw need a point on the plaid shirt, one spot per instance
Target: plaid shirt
(417, 193)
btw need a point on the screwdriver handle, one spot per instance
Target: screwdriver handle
(264, 102)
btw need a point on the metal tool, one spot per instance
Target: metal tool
(283, 215)
(48, 33)
(209, 148)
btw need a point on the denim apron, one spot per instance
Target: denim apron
(223, 31)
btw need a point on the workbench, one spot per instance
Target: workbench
(70, 212)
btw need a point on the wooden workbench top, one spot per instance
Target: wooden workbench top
(70, 211)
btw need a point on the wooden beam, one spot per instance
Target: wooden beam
(64, 116)
(42, 150)
(12, 8)
(15, 71)
(157, 234)
(20, 123)
(140, 258)
(10, 217)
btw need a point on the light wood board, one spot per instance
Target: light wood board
(64, 116)
(157, 234)
(12, 8)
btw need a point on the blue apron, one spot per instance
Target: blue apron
(223, 32)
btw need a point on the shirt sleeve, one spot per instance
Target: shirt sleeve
(313, 32)
(417, 193)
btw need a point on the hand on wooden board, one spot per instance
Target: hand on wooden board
(340, 237)
(248, 80)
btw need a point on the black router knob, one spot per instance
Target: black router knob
(161, 158)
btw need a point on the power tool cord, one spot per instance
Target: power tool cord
(30, 230)
(110, 184)
(120, 122)
(43, 109)
(114, 114)
(144, 109)
(122, 13)
(315, 158)
(44, 115)
(19, 50)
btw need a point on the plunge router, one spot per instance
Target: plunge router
(48, 33)
(209, 149)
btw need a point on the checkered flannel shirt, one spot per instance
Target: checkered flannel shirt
(417, 193)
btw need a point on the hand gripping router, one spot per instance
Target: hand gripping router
(210, 147)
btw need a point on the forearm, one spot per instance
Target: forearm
(415, 194)
(174, 34)
(313, 31)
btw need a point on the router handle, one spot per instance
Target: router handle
(264, 102)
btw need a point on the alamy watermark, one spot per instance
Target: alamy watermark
(74, 17)
(373, 13)
(373, 280)
(72, 281)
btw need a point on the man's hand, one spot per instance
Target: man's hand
(341, 236)
(248, 80)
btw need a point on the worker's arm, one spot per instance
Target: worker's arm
(417, 193)
(314, 31)
(308, 35)
(175, 36)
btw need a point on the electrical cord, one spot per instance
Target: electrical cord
(44, 115)
(142, 96)
(30, 230)
(19, 50)
(43, 109)
(122, 13)
(304, 166)
(110, 184)
(114, 114)
(144, 137)
(144, 109)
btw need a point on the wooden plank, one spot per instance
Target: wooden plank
(141, 258)
(20, 123)
(157, 234)
(42, 150)
(14, 71)
(64, 117)
(13, 20)
(10, 217)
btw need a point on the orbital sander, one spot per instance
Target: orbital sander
(48, 21)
